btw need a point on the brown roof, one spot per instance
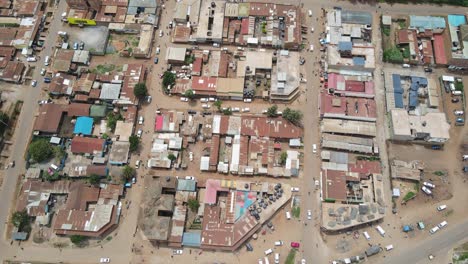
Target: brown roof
(5, 4)
(26, 7)
(86, 145)
(81, 98)
(85, 83)
(261, 126)
(115, 2)
(334, 183)
(181, 34)
(6, 54)
(7, 35)
(80, 196)
(78, 109)
(99, 170)
(31, 198)
(49, 118)
(214, 150)
(94, 93)
(133, 75)
(111, 191)
(130, 114)
(223, 65)
(63, 59)
(12, 72)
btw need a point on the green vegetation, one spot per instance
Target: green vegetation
(227, 111)
(169, 79)
(296, 211)
(416, 186)
(291, 256)
(189, 59)
(112, 119)
(134, 142)
(189, 94)
(3, 122)
(59, 153)
(272, 111)
(409, 196)
(406, 52)
(109, 238)
(459, 86)
(21, 220)
(103, 68)
(78, 240)
(193, 204)
(264, 31)
(385, 30)
(436, 2)
(393, 54)
(329, 200)
(461, 258)
(171, 157)
(402, 24)
(9, 25)
(283, 158)
(218, 104)
(41, 150)
(128, 173)
(448, 212)
(105, 136)
(439, 173)
(140, 90)
(51, 177)
(293, 116)
(94, 179)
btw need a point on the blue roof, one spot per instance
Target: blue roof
(413, 99)
(345, 45)
(399, 100)
(427, 22)
(359, 61)
(83, 125)
(186, 185)
(191, 239)
(397, 83)
(456, 20)
(420, 81)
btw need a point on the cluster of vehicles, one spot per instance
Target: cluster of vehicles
(428, 187)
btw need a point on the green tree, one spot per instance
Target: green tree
(140, 90)
(94, 179)
(171, 157)
(169, 78)
(20, 219)
(128, 173)
(218, 105)
(59, 153)
(193, 204)
(51, 177)
(4, 118)
(41, 150)
(134, 142)
(283, 158)
(189, 94)
(78, 240)
(227, 111)
(112, 119)
(393, 54)
(272, 111)
(293, 116)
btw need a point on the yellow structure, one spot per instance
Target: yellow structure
(81, 21)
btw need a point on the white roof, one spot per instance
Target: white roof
(204, 163)
(447, 78)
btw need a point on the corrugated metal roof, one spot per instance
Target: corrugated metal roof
(191, 239)
(426, 22)
(345, 45)
(356, 17)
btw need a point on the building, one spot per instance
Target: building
(92, 5)
(210, 22)
(176, 55)
(285, 77)
(119, 153)
(86, 145)
(49, 119)
(84, 125)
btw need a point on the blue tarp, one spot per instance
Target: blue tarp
(191, 239)
(83, 125)
(399, 100)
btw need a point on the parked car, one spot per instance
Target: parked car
(191, 156)
(177, 252)
(311, 48)
(33, 83)
(204, 100)
(104, 260)
(158, 50)
(295, 244)
(137, 164)
(247, 100)
(212, 99)
(279, 243)
(139, 133)
(156, 60)
(190, 178)
(249, 247)
(429, 184)
(246, 109)
(148, 99)
(314, 148)
(140, 120)
(161, 33)
(31, 59)
(235, 109)
(436, 147)
(309, 214)
(426, 190)
(43, 71)
(206, 106)
(75, 45)
(81, 45)
(428, 69)
(442, 224)
(441, 207)
(294, 189)
(455, 100)
(133, 180)
(47, 80)
(184, 99)
(458, 112)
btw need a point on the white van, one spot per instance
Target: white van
(314, 148)
(277, 258)
(380, 230)
(53, 166)
(31, 59)
(47, 61)
(288, 215)
(137, 164)
(434, 229)
(140, 120)
(268, 251)
(441, 207)
(158, 50)
(389, 247)
(267, 261)
(366, 235)
(443, 224)
(278, 243)
(456, 92)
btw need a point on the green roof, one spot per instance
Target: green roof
(98, 111)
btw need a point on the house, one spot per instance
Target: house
(86, 145)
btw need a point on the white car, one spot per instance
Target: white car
(139, 133)
(247, 100)
(177, 252)
(34, 83)
(309, 214)
(311, 48)
(140, 120)
(206, 106)
(161, 33)
(314, 148)
(190, 178)
(212, 99)
(190, 156)
(184, 99)
(137, 164)
(43, 71)
(312, 30)
(434, 229)
(441, 207)
(104, 260)
(303, 261)
(426, 190)
(443, 224)
(44, 102)
(294, 189)
(429, 184)
(235, 109)
(246, 109)
(204, 100)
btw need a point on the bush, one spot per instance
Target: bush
(189, 94)
(227, 111)
(385, 30)
(283, 158)
(393, 54)
(112, 119)
(78, 240)
(218, 104)
(409, 196)
(291, 256)
(171, 157)
(296, 211)
(94, 179)
(41, 150)
(20, 219)
(193, 204)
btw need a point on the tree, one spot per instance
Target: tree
(112, 119)
(189, 94)
(272, 111)
(94, 179)
(283, 158)
(218, 104)
(293, 116)
(20, 219)
(193, 204)
(59, 153)
(78, 240)
(393, 54)
(128, 173)
(227, 111)
(41, 150)
(169, 79)
(171, 157)
(134, 142)
(140, 90)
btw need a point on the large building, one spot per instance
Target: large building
(93, 5)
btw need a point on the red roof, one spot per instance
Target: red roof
(204, 84)
(439, 49)
(245, 26)
(159, 123)
(354, 86)
(197, 66)
(78, 109)
(334, 183)
(86, 145)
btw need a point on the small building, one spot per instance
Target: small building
(110, 91)
(123, 130)
(86, 145)
(84, 125)
(119, 153)
(99, 111)
(176, 55)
